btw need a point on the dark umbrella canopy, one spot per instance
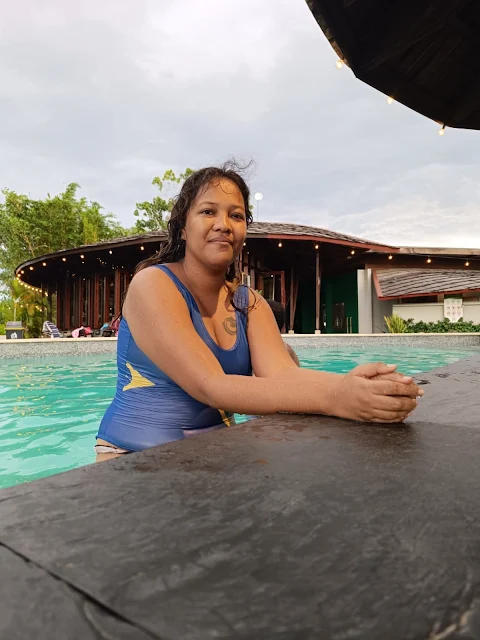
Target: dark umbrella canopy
(423, 53)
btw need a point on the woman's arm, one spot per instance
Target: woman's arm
(160, 323)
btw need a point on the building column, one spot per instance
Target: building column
(60, 303)
(293, 299)
(365, 301)
(318, 286)
(49, 302)
(117, 294)
(95, 300)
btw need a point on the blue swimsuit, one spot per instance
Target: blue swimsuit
(149, 408)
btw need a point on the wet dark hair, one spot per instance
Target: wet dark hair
(173, 250)
(278, 311)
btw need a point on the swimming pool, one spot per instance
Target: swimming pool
(50, 408)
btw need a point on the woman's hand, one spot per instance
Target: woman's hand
(381, 371)
(375, 393)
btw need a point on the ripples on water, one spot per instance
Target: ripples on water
(50, 409)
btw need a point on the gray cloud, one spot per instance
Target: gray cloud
(110, 95)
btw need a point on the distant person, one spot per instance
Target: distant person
(279, 313)
(191, 334)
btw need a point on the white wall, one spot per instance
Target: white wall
(433, 311)
(471, 311)
(380, 309)
(365, 302)
(428, 312)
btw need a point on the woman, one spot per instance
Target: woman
(190, 336)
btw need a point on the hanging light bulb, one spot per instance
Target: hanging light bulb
(31, 268)
(339, 63)
(110, 252)
(390, 257)
(44, 264)
(441, 132)
(390, 100)
(352, 252)
(64, 259)
(141, 248)
(429, 260)
(467, 263)
(82, 256)
(280, 245)
(316, 246)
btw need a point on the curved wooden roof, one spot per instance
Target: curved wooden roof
(257, 230)
(423, 53)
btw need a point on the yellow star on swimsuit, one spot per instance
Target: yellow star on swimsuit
(138, 381)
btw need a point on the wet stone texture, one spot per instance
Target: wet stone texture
(286, 528)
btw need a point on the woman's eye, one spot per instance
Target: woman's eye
(239, 216)
(207, 211)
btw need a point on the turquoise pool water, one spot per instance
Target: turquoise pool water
(50, 409)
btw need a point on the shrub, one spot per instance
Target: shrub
(442, 326)
(395, 324)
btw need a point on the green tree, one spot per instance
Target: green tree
(153, 215)
(31, 228)
(21, 303)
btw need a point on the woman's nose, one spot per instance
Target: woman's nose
(222, 222)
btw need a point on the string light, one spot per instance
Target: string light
(441, 132)
(110, 252)
(316, 246)
(141, 248)
(352, 252)
(22, 271)
(390, 100)
(82, 256)
(44, 264)
(280, 245)
(64, 259)
(244, 244)
(339, 63)
(467, 264)
(31, 268)
(429, 260)
(390, 257)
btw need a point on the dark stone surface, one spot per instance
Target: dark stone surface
(286, 528)
(34, 605)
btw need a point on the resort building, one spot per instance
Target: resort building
(329, 282)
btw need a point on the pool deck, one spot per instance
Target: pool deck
(284, 528)
(46, 347)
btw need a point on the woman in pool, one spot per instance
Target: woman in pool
(190, 336)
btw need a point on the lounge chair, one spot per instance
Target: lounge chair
(49, 330)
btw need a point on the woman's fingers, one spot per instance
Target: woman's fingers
(394, 403)
(394, 377)
(387, 417)
(391, 388)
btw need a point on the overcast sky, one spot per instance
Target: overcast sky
(111, 93)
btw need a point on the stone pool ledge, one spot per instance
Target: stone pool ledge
(46, 347)
(415, 340)
(284, 527)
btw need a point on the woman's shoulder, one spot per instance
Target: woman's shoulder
(152, 282)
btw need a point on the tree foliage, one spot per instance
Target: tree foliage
(30, 228)
(153, 215)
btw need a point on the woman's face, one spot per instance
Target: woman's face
(216, 225)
